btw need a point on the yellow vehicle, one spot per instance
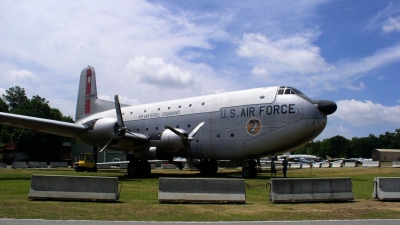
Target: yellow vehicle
(87, 162)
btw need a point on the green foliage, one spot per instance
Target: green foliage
(3, 106)
(39, 146)
(15, 96)
(339, 146)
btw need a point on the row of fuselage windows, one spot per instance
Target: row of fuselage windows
(144, 111)
(288, 91)
(282, 90)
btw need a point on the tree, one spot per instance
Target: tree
(15, 96)
(39, 146)
(3, 106)
(339, 146)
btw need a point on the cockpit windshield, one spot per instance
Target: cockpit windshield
(288, 91)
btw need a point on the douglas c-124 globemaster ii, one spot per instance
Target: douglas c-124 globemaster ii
(241, 125)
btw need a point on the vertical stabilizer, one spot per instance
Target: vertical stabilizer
(87, 93)
(88, 103)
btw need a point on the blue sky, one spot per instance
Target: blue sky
(148, 51)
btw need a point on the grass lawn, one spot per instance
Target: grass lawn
(139, 198)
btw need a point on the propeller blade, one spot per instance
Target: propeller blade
(118, 111)
(190, 157)
(194, 131)
(177, 132)
(187, 139)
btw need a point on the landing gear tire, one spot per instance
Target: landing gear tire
(145, 168)
(208, 167)
(249, 172)
(132, 168)
(139, 168)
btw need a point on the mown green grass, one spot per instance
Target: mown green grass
(139, 199)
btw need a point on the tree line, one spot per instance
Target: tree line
(341, 147)
(38, 146)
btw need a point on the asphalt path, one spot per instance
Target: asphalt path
(98, 222)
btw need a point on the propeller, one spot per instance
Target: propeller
(187, 138)
(120, 122)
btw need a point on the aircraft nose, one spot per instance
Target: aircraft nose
(326, 107)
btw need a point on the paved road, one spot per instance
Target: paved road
(96, 222)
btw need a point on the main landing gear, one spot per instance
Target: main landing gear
(250, 171)
(139, 167)
(208, 167)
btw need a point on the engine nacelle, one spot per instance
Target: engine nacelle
(170, 142)
(103, 130)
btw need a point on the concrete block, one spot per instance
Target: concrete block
(396, 164)
(316, 165)
(305, 166)
(205, 190)
(3, 165)
(78, 188)
(325, 165)
(296, 166)
(350, 164)
(16, 165)
(371, 164)
(58, 164)
(168, 166)
(386, 188)
(33, 164)
(310, 189)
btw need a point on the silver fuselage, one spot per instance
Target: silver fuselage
(245, 124)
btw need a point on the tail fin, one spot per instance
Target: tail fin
(87, 102)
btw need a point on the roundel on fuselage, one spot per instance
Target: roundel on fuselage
(253, 126)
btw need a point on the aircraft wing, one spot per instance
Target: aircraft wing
(43, 125)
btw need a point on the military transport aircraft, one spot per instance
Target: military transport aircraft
(242, 125)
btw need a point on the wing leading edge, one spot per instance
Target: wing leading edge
(43, 125)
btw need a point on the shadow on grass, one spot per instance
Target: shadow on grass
(14, 178)
(157, 175)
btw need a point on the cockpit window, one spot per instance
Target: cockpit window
(297, 91)
(288, 91)
(281, 90)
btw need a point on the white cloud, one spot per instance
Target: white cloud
(333, 130)
(360, 86)
(261, 71)
(157, 72)
(294, 54)
(122, 99)
(347, 72)
(22, 75)
(358, 113)
(392, 24)
(385, 19)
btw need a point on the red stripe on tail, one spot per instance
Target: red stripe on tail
(88, 90)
